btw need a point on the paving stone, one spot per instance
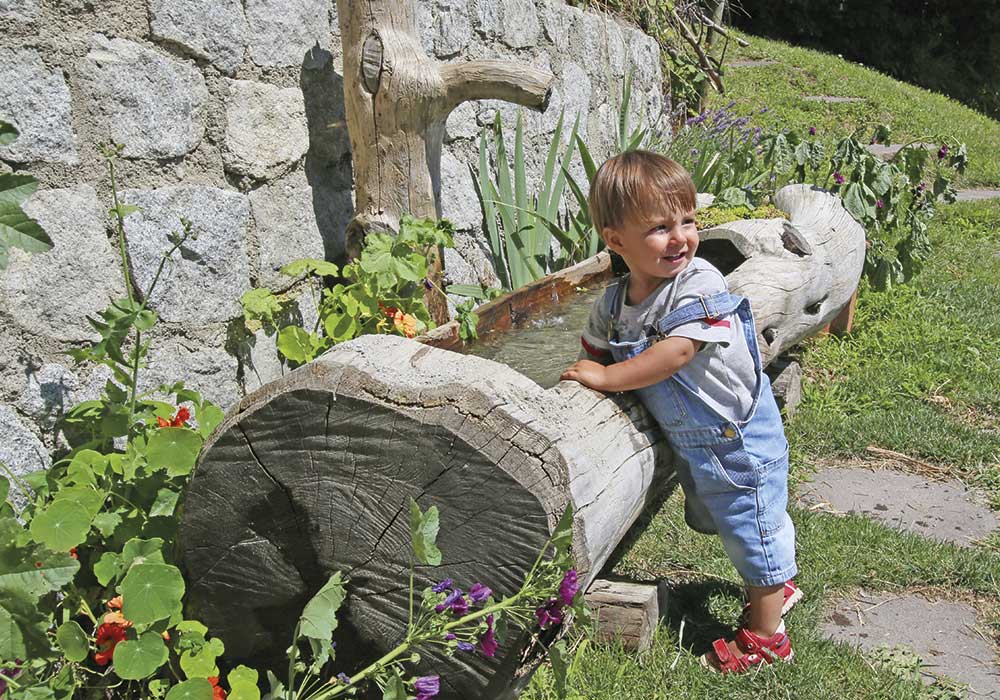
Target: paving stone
(887, 151)
(145, 100)
(294, 221)
(266, 129)
(204, 280)
(52, 293)
(282, 31)
(942, 633)
(20, 449)
(944, 511)
(36, 101)
(831, 99)
(977, 195)
(214, 30)
(19, 10)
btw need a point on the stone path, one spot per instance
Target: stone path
(942, 633)
(977, 194)
(752, 64)
(832, 99)
(945, 511)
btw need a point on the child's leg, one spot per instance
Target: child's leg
(765, 608)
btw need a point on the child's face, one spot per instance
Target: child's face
(659, 246)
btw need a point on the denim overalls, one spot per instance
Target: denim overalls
(738, 479)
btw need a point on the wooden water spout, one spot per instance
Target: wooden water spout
(313, 473)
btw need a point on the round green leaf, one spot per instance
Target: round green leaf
(151, 592)
(243, 684)
(201, 663)
(136, 659)
(72, 640)
(174, 449)
(61, 526)
(194, 689)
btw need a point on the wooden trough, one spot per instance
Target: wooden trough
(313, 473)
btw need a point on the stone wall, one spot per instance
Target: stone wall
(231, 114)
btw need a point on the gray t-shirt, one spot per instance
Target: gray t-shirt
(722, 372)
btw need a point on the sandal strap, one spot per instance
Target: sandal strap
(750, 643)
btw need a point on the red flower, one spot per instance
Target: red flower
(178, 421)
(218, 692)
(108, 636)
(72, 552)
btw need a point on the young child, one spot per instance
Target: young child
(671, 331)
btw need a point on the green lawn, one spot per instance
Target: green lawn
(913, 112)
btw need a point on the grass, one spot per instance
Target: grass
(913, 112)
(919, 374)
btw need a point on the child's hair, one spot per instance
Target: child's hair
(633, 182)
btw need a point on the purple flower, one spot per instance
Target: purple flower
(838, 178)
(694, 151)
(450, 636)
(465, 646)
(427, 687)
(487, 643)
(344, 678)
(479, 593)
(460, 606)
(9, 673)
(879, 203)
(550, 613)
(442, 586)
(569, 587)
(453, 596)
(812, 130)
(763, 110)
(427, 283)
(943, 151)
(922, 186)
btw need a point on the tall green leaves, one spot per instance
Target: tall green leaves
(17, 229)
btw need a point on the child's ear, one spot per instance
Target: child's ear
(612, 239)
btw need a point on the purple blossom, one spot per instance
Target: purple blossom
(344, 678)
(427, 687)
(442, 586)
(450, 636)
(763, 110)
(922, 186)
(879, 203)
(943, 151)
(812, 130)
(460, 606)
(465, 646)
(488, 643)
(569, 587)
(427, 283)
(9, 673)
(453, 596)
(479, 593)
(550, 613)
(838, 178)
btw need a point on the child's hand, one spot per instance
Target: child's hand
(588, 373)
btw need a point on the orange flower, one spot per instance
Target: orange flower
(72, 552)
(405, 324)
(108, 636)
(115, 603)
(116, 618)
(178, 421)
(162, 423)
(218, 692)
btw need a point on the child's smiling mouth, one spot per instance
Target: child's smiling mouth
(673, 258)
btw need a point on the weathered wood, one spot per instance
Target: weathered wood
(844, 322)
(625, 612)
(786, 384)
(397, 100)
(327, 457)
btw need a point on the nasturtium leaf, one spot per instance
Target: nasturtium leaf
(260, 304)
(201, 663)
(340, 327)
(91, 499)
(243, 684)
(193, 689)
(107, 568)
(296, 344)
(424, 530)
(61, 526)
(164, 504)
(394, 689)
(174, 449)
(32, 569)
(4, 488)
(85, 466)
(557, 655)
(136, 659)
(191, 635)
(319, 617)
(304, 266)
(107, 523)
(140, 551)
(8, 133)
(72, 640)
(209, 416)
(15, 189)
(151, 592)
(11, 639)
(157, 688)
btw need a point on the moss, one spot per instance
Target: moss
(713, 216)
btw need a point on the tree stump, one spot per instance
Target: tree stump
(313, 473)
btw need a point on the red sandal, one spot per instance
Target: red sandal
(756, 650)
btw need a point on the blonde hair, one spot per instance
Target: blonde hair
(631, 183)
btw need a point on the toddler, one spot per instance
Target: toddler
(671, 331)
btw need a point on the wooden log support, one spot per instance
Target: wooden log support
(397, 100)
(624, 612)
(313, 473)
(786, 384)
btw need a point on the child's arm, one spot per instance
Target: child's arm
(650, 366)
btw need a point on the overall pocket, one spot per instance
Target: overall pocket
(772, 493)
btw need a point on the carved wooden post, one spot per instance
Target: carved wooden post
(397, 101)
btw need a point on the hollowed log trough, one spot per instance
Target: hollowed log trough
(313, 473)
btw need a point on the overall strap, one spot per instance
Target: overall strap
(613, 297)
(711, 307)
